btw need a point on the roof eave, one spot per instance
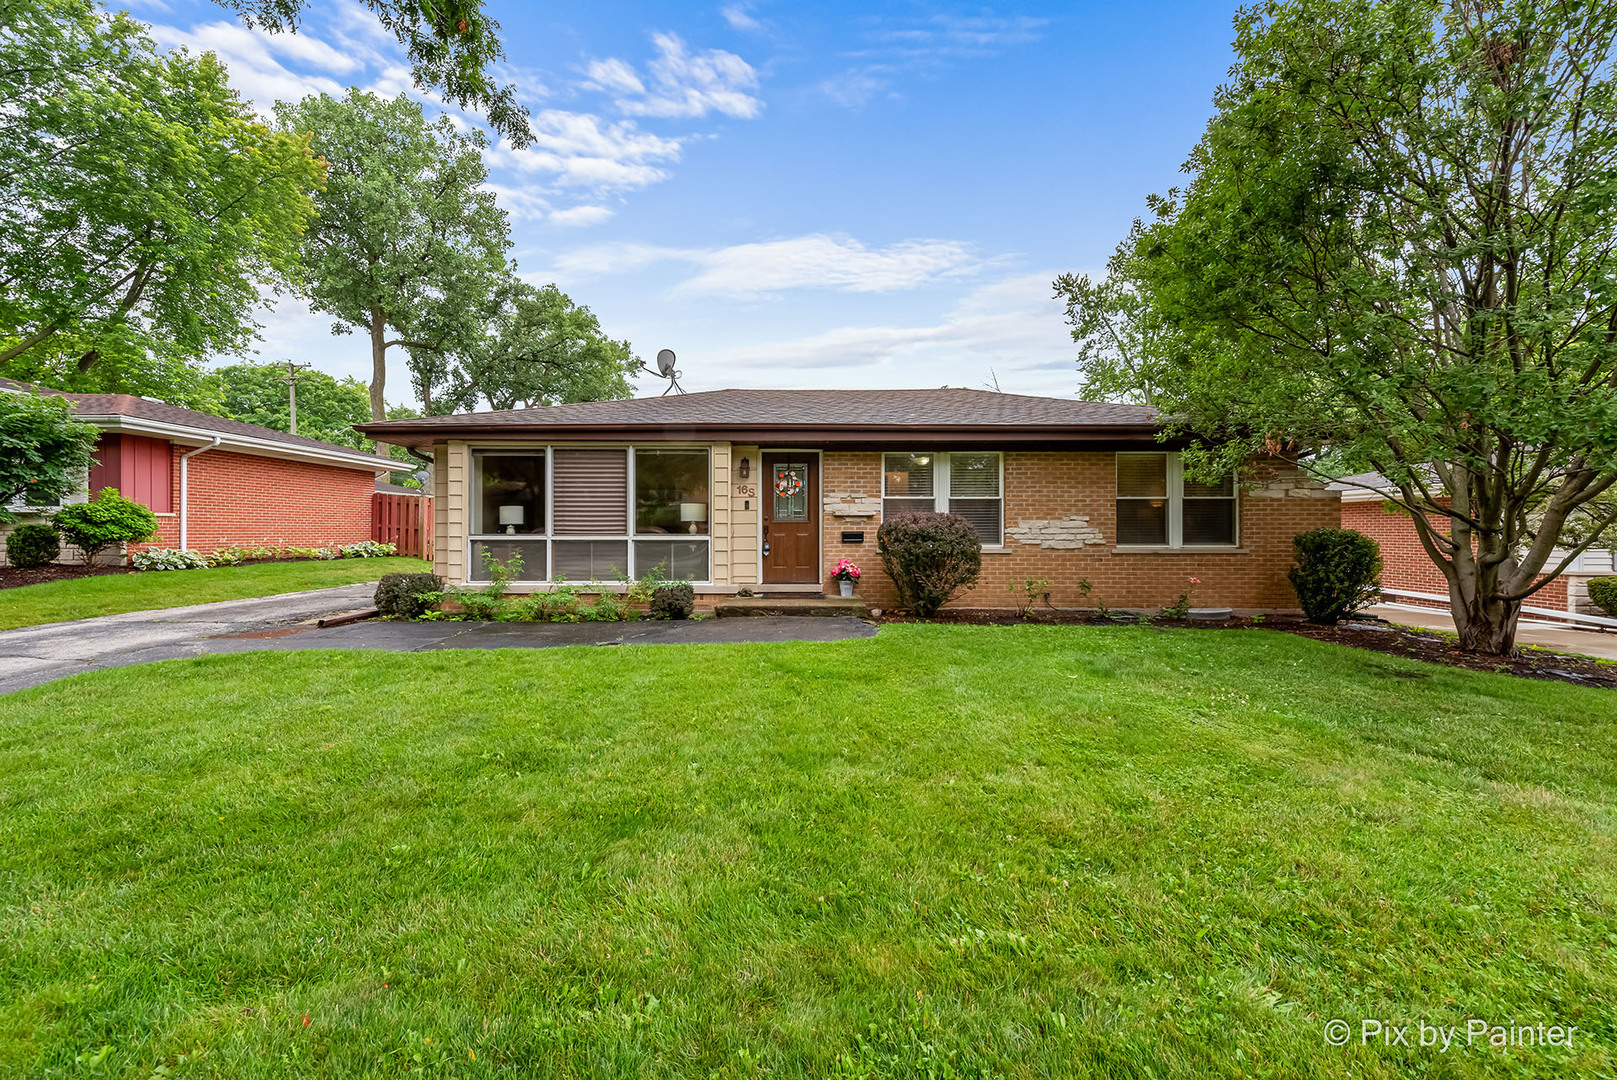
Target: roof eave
(404, 433)
(195, 436)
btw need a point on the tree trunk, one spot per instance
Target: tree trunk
(379, 370)
(1486, 625)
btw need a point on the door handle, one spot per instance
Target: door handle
(766, 528)
(766, 547)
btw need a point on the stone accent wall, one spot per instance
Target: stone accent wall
(1285, 481)
(1065, 535)
(852, 506)
(1070, 498)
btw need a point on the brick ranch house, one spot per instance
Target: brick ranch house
(215, 482)
(766, 489)
(1366, 507)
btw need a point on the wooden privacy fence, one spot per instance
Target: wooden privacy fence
(405, 520)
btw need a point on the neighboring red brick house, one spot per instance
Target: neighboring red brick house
(1406, 565)
(216, 483)
(764, 490)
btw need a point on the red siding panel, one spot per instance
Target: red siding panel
(146, 469)
(108, 457)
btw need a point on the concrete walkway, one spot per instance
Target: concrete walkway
(40, 654)
(1560, 638)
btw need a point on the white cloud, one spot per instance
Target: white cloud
(581, 215)
(739, 18)
(614, 75)
(582, 150)
(924, 48)
(680, 83)
(1011, 328)
(251, 57)
(817, 261)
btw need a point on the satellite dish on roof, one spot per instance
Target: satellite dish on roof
(665, 370)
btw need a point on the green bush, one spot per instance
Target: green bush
(408, 596)
(1338, 571)
(1603, 591)
(676, 600)
(32, 545)
(168, 559)
(930, 557)
(105, 521)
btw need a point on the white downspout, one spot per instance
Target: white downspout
(185, 483)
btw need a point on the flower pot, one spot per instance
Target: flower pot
(845, 587)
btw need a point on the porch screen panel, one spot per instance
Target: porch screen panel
(589, 493)
(589, 560)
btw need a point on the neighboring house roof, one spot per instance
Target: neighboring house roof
(386, 488)
(142, 416)
(1366, 487)
(823, 416)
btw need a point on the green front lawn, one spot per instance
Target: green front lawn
(946, 851)
(112, 594)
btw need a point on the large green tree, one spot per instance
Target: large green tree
(328, 407)
(539, 348)
(451, 45)
(1396, 248)
(408, 244)
(145, 206)
(44, 451)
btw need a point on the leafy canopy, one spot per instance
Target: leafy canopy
(327, 407)
(408, 243)
(1396, 245)
(146, 206)
(539, 348)
(45, 454)
(451, 45)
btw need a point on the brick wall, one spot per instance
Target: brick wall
(1405, 564)
(1060, 521)
(243, 499)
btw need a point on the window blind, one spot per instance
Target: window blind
(589, 492)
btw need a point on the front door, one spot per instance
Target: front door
(791, 519)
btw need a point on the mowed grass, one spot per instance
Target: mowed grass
(944, 851)
(113, 594)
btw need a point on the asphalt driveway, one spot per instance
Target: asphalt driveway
(40, 654)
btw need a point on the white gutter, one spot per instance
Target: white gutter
(185, 482)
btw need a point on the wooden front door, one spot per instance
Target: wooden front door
(791, 501)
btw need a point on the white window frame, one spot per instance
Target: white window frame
(1176, 505)
(549, 537)
(940, 485)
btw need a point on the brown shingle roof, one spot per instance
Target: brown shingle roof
(90, 406)
(794, 411)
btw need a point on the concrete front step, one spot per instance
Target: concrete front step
(741, 606)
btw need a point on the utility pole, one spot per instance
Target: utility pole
(293, 374)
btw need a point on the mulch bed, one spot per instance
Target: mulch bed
(12, 577)
(1435, 648)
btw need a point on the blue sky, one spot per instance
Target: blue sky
(799, 195)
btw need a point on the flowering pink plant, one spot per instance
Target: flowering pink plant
(845, 571)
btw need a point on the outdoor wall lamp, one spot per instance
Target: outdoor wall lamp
(746, 468)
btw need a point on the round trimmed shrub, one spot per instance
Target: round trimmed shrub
(677, 601)
(1338, 571)
(408, 596)
(1603, 591)
(32, 545)
(104, 521)
(930, 557)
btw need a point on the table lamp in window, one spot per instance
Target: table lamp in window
(694, 513)
(511, 517)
